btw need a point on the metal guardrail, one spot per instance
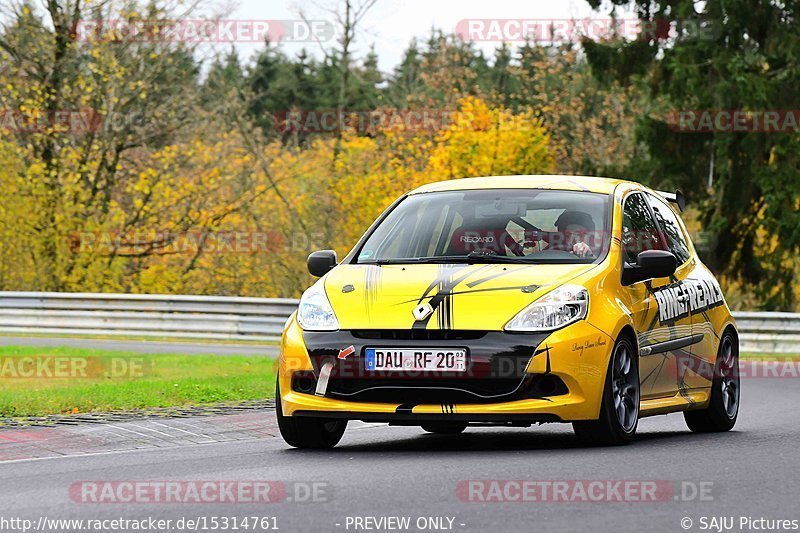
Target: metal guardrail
(260, 319)
(768, 332)
(144, 315)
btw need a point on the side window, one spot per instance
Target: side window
(672, 228)
(639, 231)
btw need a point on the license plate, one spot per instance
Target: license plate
(407, 359)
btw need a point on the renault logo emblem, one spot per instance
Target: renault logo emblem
(423, 311)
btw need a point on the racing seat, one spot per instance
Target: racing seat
(495, 241)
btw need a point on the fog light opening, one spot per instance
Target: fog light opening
(548, 385)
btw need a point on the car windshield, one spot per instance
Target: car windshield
(496, 225)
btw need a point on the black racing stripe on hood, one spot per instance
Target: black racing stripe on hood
(496, 275)
(372, 284)
(455, 293)
(444, 282)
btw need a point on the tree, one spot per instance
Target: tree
(273, 90)
(731, 55)
(103, 126)
(405, 81)
(225, 80)
(592, 123)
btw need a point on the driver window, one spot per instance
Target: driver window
(639, 231)
(672, 228)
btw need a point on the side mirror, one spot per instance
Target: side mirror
(650, 264)
(321, 262)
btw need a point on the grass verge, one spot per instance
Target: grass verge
(117, 380)
(142, 338)
(40, 381)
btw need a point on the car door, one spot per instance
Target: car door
(658, 312)
(694, 352)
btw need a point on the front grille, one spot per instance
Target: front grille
(435, 390)
(497, 364)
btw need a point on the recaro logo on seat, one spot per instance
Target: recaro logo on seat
(476, 238)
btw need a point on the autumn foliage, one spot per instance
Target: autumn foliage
(159, 229)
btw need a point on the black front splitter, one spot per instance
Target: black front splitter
(411, 419)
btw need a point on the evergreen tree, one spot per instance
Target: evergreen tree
(730, 55)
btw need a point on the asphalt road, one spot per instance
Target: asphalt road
(380, 471)
(144, 346)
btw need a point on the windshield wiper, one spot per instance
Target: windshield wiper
(472, 257)
(491, 257)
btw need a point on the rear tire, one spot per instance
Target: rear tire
(308, 432)
(619, 411)
(723, 408)
(445, 428)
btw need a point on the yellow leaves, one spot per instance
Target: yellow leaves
(337, 199)
(301, 198)
(484, 141)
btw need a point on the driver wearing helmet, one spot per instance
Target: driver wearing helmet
(573, 229)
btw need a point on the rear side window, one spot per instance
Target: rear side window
(671, 228)
(639, 230)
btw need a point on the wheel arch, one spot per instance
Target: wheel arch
(624, 329)
(628, 331)
(730, 327)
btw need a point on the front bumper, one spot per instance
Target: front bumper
(512, 378)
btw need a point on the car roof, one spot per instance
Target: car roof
(548, 181)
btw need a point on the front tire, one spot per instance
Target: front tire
(308, 432)
(723, 408)
(619, 411)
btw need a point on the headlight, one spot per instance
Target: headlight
(315, 312)
(554, 310)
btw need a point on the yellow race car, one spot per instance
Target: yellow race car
(512, 301)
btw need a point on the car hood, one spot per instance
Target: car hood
(462, 296)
